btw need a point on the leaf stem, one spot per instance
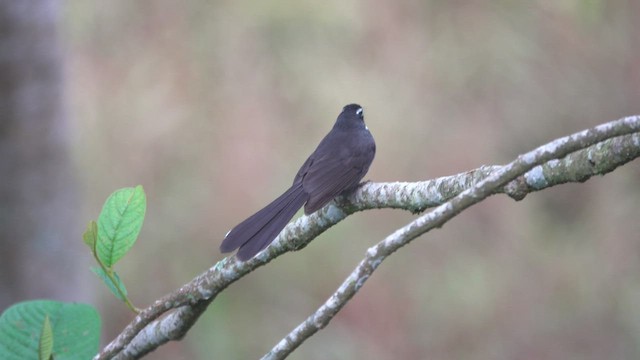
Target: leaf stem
(109, 272)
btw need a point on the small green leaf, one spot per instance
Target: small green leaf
(45, 348)
(90, 236)
(75, 328)
(119, 224)
(107, 281)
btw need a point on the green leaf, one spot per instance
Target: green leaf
(107, 281)
(75, 328)
(45, 348)
(119, 224)
(90, 235)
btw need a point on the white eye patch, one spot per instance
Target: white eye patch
(359, 112)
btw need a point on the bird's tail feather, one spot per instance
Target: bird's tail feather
(261, 228)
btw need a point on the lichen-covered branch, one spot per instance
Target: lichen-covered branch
(592, 152)
(445, 212)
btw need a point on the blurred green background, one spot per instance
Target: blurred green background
(213, 105)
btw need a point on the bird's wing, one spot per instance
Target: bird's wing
(327, 177)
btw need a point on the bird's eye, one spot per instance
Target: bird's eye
(360, 112)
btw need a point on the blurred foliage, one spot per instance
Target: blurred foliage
(213, 105)
(44, 329)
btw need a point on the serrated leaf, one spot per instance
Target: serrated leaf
(107, 281)
(119, 224)
(90, 235)
(75, 328)
(45, 347)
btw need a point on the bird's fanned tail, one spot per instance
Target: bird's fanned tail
(256, 232)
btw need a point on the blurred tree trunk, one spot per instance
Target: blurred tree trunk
(39, 239)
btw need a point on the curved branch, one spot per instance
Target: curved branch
(445, 212)
(148, 331)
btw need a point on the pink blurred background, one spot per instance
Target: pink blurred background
(213, 105)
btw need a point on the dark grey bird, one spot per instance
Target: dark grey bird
(336, 166)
